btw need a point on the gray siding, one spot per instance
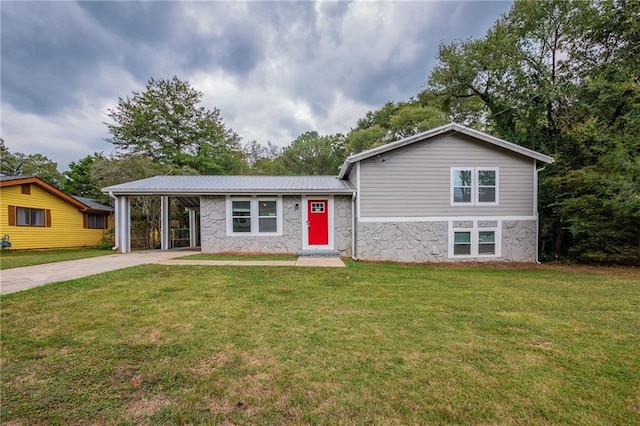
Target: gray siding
(415, 181)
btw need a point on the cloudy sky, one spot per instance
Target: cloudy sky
(274, 69)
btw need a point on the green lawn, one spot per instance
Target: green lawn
(366, 344)
(18, 258)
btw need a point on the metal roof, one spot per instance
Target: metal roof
(447, 128)
(205, 185)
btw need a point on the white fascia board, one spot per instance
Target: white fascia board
(178, 192)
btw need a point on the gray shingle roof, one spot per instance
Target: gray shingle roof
(203, 185)
(92, 204)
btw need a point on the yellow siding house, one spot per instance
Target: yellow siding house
(37, 215)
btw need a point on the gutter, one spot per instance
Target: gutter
(538, 216)
(115, 222)
(353, 228)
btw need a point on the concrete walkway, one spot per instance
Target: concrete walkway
(18, 279)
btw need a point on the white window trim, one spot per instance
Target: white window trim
(255, 219)
(475, 183)
(475, 232)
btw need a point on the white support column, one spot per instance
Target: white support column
(123, 224)
(165, 243)
(116, 224)
(126, 243)
(193, 230)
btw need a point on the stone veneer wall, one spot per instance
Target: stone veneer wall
(519, 240)
(429, 241)
(403, 241)
(213, 228)
(342, 224)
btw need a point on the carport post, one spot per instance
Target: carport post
(123, 224)
(193, 231)
(165, 226)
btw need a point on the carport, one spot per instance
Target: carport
(121, 194)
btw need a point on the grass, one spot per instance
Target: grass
(19, 258)
(239, 256)
(366, 344)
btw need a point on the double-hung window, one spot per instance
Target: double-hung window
(474, 240)
(474, 185)
(96, 221)
(254, 216)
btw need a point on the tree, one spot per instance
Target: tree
(261, 159)
(166, 123)
(562, 77)
(78, 180)
(312, 154)
(392, 122)
(20, 164)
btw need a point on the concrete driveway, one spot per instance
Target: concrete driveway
(18, 279)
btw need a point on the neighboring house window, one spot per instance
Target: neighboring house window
(473, 241)
(474, 186)
(254, 216)
(25, 216)
(30, 217)
(96, 221)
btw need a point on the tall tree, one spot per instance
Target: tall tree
(312, 154)
(166, 123)
(260, 158)
(78, 180)
(562, 77)
(392, 122)
(29, 165)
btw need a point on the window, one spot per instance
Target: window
(317, 207)
(241, 213)
(267, 217)
(486, 186)
(254, 216)
(462, 243)
(473, 186)
(96, 221)
(486, 242)
(462, 186)
(30, 217)
(474, 238)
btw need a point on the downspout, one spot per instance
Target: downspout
(538, 217)
(353, 228)
(115, 222)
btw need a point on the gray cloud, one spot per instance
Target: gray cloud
(275, 69)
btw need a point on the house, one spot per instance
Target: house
(37, 215)
(447, 194)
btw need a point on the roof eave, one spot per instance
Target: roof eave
(178, 192)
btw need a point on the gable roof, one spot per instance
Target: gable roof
(81, 203)
(447, 128)
(214, 185)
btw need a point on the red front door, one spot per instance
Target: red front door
(318, 222)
